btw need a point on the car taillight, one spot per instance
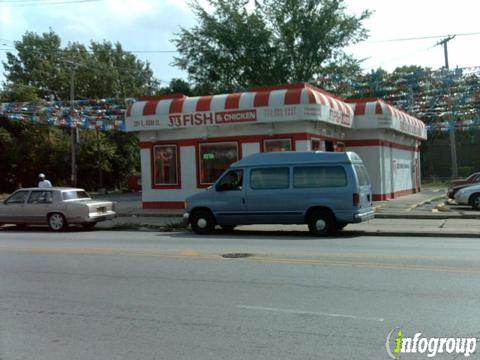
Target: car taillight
(356, 199)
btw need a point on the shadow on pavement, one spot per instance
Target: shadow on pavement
(42, 229)
(265, 235)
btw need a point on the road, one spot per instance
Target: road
(149, 295)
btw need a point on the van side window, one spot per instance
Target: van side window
(233, 180)
(269, 178)
(319, 176)
(362, 175)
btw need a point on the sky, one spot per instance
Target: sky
(146, 27)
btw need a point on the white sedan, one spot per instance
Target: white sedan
(469, 195)
(56, 207)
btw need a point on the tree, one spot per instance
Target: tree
(177, 86)
(103, 70)
(278, 41)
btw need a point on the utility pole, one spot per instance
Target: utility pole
(73, 128)
(453, 146)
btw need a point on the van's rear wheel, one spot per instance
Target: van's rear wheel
(202, 222)
(321, 224)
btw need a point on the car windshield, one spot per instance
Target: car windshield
(74, 194)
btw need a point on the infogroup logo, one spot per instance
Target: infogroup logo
(396, 344)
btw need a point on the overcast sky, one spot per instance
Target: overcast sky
(149, 25)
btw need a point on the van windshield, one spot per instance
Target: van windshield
(362, 174)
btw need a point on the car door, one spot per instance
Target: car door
(13, 208)
(39, 203)
(229, 198)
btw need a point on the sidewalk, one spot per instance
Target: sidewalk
(421, 214)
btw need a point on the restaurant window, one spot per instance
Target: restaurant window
(317, 145)
(271, 145)
(165, 165)
(214, 159)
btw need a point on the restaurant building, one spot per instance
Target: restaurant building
(187, 142)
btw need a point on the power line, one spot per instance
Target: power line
(423, 37)
(28, 3)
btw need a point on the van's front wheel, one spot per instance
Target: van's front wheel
(202, 222)
(321, 224)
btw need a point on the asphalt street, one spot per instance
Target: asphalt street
(150, 295)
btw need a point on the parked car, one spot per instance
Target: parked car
(325, 190)
(469, 195)
(458, 184)
(56, 207)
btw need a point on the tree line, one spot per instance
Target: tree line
(235, 45)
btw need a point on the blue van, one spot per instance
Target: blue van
(325, 190)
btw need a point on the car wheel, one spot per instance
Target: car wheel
(475, 201)
(57, 222)
(321, 224)
(89, 226)
(202, 222)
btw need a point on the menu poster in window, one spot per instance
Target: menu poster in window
(165, 162)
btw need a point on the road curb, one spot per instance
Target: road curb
(436, 216)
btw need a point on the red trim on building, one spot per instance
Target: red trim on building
(388, 196)
(261, 99)
(176, 106)
(232, 101)
(150, 107)
(178, 185)
(203, 103)
(311, 97)
(362, 100)
(163, 205)
(360, 109)
(242, 139)
(293, 96)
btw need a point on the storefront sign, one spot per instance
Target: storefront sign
(340, 118)
(235, 116)
(210, 118)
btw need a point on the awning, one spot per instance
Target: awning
(373, 113)
(258, 105)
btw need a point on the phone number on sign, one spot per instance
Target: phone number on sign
(280, 112)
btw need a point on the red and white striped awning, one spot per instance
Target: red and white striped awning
(373, 113)
(262, 104)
